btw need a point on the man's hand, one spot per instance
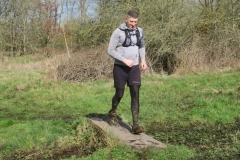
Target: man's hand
(143, 65)
(128, 62)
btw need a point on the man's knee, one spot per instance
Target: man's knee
(119, 94)
(134, 90)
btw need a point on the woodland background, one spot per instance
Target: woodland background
(180, 35)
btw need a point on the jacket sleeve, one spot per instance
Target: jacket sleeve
(142, 50)
(114, 41)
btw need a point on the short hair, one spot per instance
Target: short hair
(132, 13)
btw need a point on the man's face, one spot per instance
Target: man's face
(131, 22)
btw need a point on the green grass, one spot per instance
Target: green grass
(206, 97)
(188, 113)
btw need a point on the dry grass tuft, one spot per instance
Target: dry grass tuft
(85, 65)
(197, 57)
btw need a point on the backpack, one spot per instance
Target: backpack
(128, 42)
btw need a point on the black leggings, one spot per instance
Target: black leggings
(134, 92)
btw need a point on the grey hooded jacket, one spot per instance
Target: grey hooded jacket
(118, 52)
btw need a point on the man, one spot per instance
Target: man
(126, 46)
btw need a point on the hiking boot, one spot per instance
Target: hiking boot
(136, 129)
(113, 121)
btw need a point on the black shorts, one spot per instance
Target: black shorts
(124, 74)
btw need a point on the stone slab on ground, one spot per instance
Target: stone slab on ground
(123, 132)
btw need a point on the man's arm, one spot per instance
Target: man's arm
(114, 40)
(142, 53)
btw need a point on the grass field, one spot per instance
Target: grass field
(196, 115)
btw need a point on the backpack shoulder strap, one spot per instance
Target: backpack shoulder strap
(126, 37)
(138, 37)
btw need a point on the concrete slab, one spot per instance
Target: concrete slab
(123, 132)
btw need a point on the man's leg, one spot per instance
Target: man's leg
(134, 92)
(115, 101)
(117, 98)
